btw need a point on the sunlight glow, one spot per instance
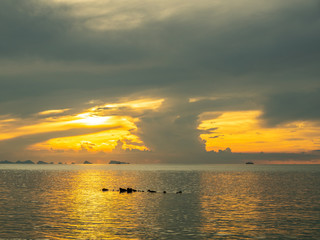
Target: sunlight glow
(88, 119)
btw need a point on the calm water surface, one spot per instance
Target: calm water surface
(218, 202)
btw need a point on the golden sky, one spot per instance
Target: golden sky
(243, 131)
(110, 128)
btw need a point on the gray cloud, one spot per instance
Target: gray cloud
(35, 29)
(220, 52)
(292, 106)
(250, 55)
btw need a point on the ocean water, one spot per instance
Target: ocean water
(217, 202)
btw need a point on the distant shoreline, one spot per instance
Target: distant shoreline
(42, 162)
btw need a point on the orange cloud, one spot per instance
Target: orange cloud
(54, 111)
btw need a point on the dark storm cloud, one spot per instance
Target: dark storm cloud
(240, 44)
(292, 106)
(197, 55)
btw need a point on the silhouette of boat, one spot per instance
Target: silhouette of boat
(249, 163)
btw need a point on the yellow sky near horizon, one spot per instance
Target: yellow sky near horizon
(243, 131)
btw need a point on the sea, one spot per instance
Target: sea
(234, 201)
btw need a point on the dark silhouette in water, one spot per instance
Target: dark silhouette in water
(131, 190)
(128, 190)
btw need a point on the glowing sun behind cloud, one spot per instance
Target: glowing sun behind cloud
(120, 129)
(102, 128)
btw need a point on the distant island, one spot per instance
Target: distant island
(117, 162)
(23, 162)
(17, 162)
(42, 162)
(6, 162)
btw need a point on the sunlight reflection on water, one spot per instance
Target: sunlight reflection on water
(238, 204)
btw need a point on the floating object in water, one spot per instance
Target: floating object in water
(131, 190)
(249, 163)
(127, 190)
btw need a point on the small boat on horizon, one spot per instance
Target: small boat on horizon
(249, 163)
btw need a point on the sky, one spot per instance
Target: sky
(144, 81)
